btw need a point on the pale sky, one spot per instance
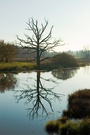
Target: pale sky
(71, 20)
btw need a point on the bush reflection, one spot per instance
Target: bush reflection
(64, 73)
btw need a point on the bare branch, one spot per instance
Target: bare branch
(47, 38)
(38, 39)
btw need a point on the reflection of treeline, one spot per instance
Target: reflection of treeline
(7, 82)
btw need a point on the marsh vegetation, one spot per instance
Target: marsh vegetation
(76, 119)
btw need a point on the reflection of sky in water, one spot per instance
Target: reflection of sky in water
(13, 116)
(14, 120)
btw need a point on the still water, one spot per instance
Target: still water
(28, 100)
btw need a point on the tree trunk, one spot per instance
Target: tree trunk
(38, 58)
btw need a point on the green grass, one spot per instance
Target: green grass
(15, 66)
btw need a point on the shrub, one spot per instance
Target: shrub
(65, 60)
(52, 126)
(62, 120)
(84, 128)
(70, 128)
(80, 127)
(78, 104)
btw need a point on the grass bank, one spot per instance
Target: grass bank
(17, 66)
(79, 127)
(52, 63)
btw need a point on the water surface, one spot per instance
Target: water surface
(28, 100)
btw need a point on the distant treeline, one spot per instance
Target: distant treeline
(80, 53)
(11, 52)
(27, 54)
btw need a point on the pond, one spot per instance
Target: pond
(29, 99)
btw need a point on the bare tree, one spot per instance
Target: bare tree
(40, 40)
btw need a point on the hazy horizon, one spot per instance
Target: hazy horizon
(71, 20)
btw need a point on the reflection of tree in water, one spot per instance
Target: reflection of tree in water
(64, 73)
(7, 81)
(38, 96)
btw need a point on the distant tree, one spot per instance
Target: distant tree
(86, 52)
(7, 51)
(39, 40)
